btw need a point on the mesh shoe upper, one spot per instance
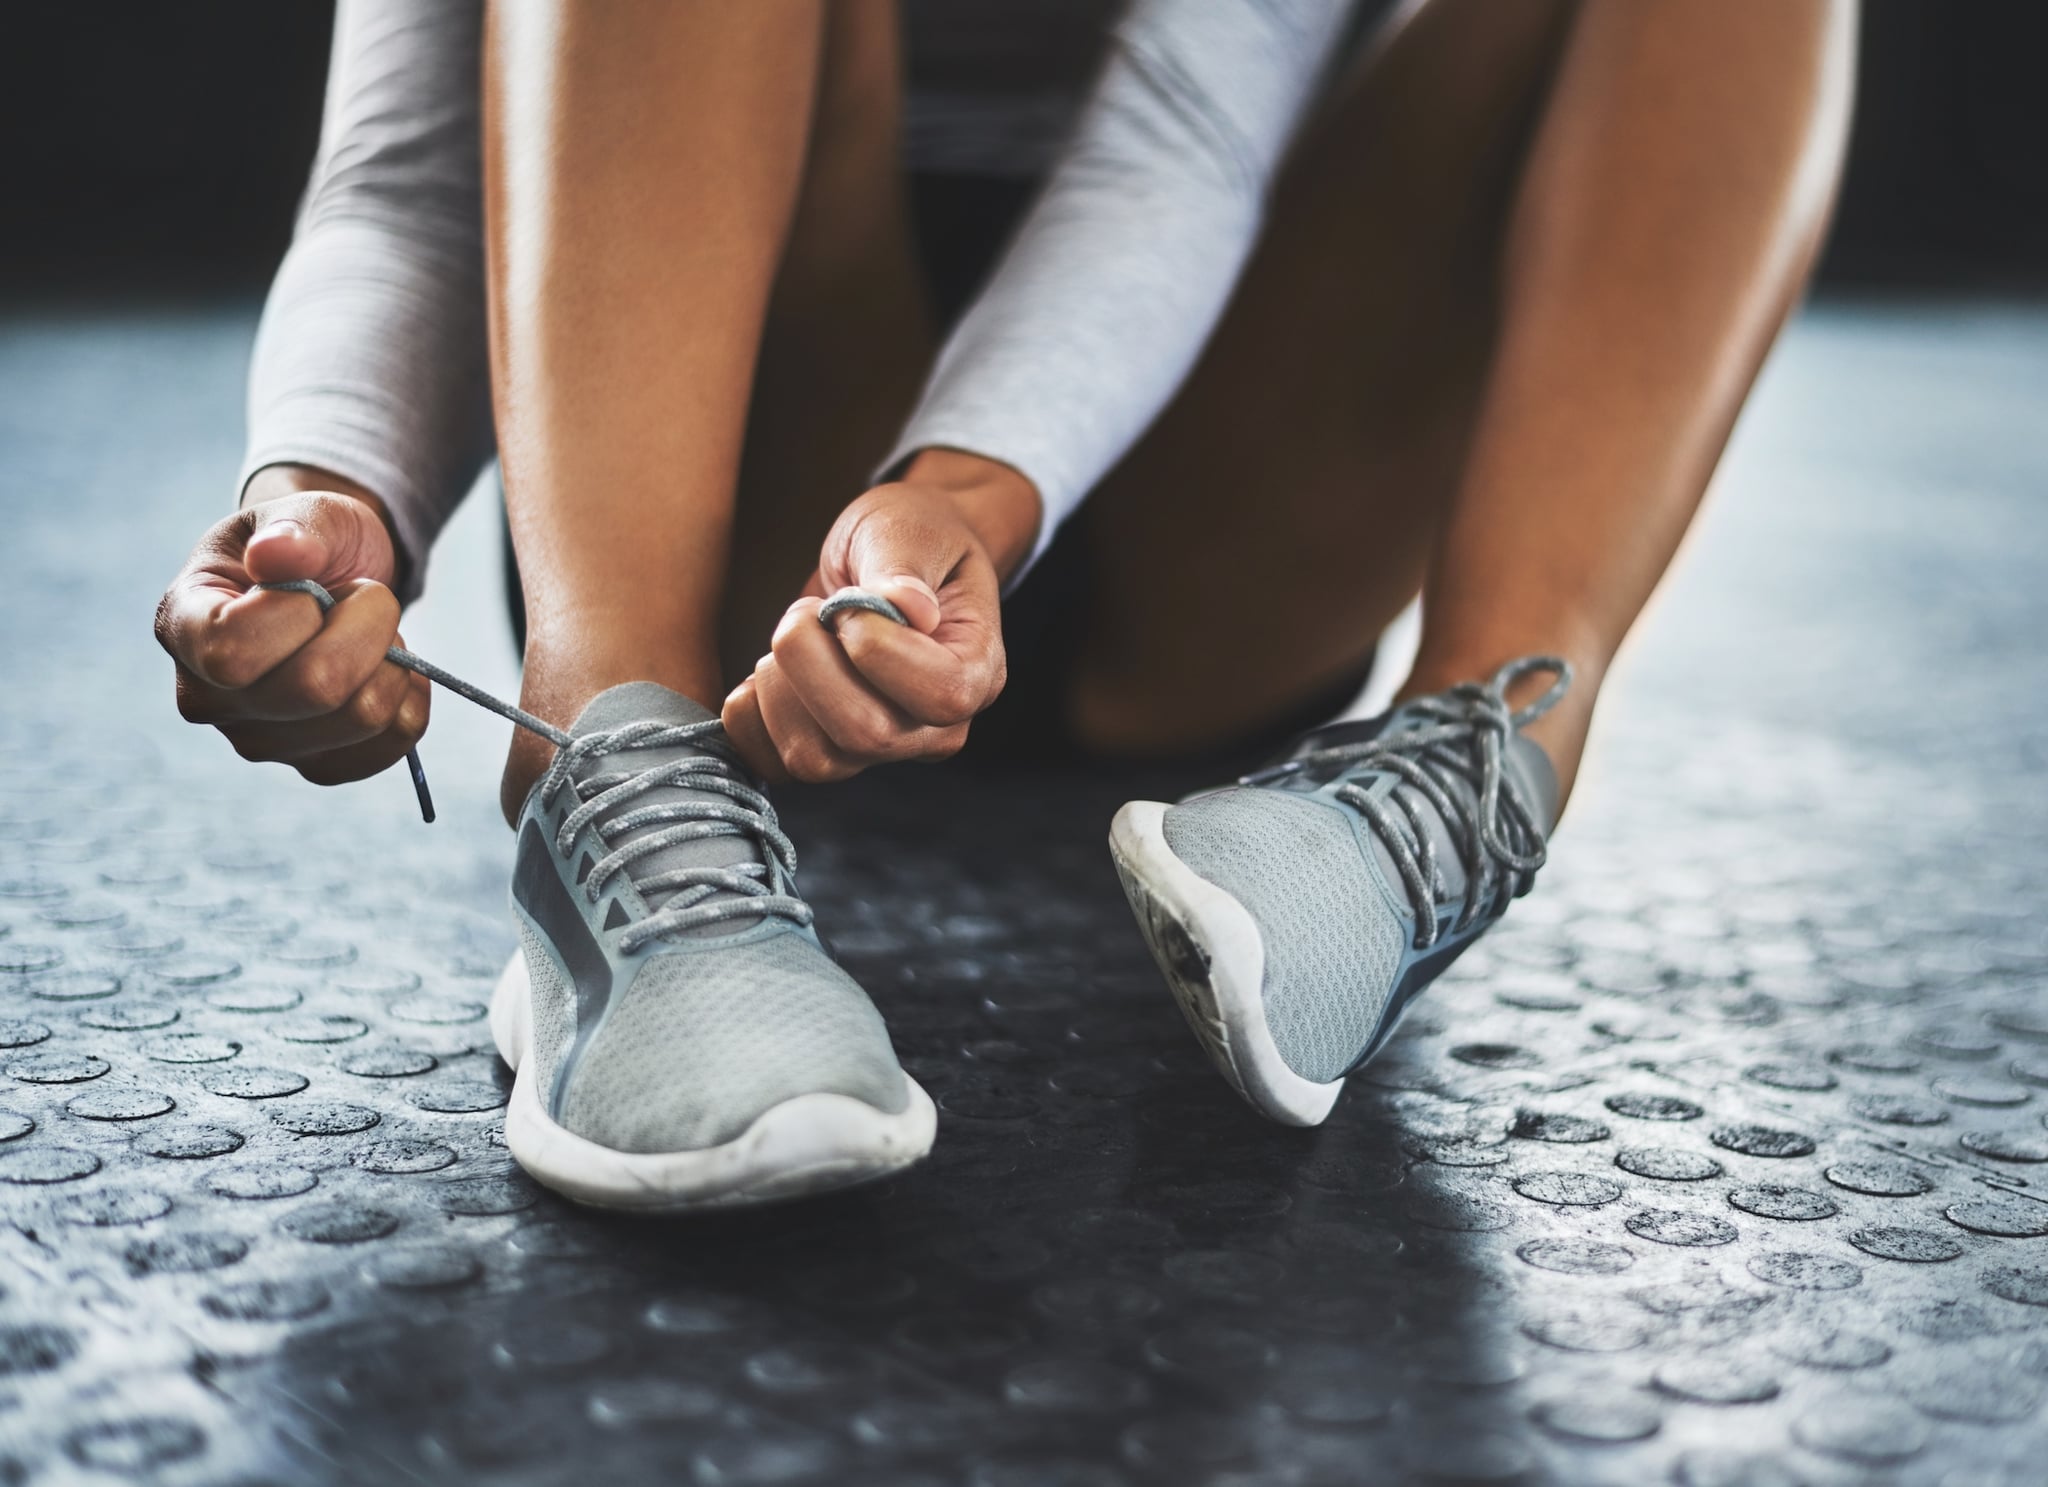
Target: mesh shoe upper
(1372, 855)
(706, 1038)
(1332, 934)
(678, 1039)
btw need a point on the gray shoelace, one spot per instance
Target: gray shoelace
(1455, 736)
(401, 657)
(716, 771)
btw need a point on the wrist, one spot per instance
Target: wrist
(997, 501)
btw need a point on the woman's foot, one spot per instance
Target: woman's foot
(682, 1040)
(1297, 913)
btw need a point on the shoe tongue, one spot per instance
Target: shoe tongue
(637, 702)
(649, 702)
(1537, 776)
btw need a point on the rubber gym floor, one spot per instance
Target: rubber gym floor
(1719, 1162)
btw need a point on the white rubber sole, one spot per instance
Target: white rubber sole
(810, 1144)
(1208, 948)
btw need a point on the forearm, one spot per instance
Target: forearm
(370, 367)
(1099, 309)
(370, 363)
(1041, 376)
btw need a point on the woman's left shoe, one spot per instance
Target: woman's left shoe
(681, 1038)
(1297, 913)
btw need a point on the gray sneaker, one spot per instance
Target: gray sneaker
(1297, 913)
(681, 1037)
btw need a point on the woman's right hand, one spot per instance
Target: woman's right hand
(280, 681)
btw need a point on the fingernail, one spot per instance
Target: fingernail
(284, 526)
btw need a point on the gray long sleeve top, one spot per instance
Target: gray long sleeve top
(371, 359)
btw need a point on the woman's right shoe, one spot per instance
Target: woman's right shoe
(1297, 913)
(680, 1037)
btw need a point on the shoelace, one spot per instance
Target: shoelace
(718, 772)
(1461, 738)
(750, 816)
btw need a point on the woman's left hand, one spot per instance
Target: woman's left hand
(825, 704)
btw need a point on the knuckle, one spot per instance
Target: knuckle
(373, 709)
(868, 732)
(323, 771)
(375, 599)
(794, 619)
(346, 765)
(324, 685)
(160, 624)
(392, 691)
(222, 658)
(411, 721)
(247, 747)
(957, 698)
(861, 642)
(809, 763)
(873, 506)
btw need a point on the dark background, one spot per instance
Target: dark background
(161, 146)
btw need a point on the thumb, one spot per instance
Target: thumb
(910, 594)
(903, 562)
(327, 538)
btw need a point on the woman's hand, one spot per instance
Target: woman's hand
(826, 704)
(276, 678)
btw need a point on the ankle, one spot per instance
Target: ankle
(524, 765)
(563, 674)
(1560, 733)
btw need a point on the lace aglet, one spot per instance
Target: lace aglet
(419, 785)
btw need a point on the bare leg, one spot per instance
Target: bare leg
(642, 163)
(1283, 509)
(1671, 211)
(1530, 418)
(847, 340)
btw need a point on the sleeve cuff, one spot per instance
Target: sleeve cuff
(1057, 494)
(412, 537)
